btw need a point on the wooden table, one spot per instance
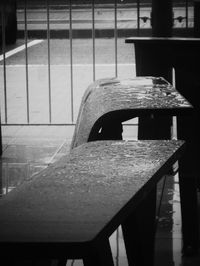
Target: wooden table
(70, 209)
(159, 56)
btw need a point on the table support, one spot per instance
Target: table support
(158, 57)
(157, 127)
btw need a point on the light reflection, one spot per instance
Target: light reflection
(14, 174)
(177, 235)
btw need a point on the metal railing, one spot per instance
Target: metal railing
(141, 19)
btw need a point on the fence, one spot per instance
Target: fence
(37, 94)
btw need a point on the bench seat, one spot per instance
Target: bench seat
(69, 210)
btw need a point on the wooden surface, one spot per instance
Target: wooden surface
(121, 100)
(84, 196)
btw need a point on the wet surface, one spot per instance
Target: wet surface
(132, 97)
(88, 186)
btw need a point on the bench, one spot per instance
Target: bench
(69, 210)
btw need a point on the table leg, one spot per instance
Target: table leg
(139, 233)
(187, 83)
(99, 255)
(151, 60)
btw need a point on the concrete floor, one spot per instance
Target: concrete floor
(29, 149)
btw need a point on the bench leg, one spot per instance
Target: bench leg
(188, 176)
(139, 233)
(189, 212)
(99, 255)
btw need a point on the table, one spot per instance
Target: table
(70, 209)
(159, 56)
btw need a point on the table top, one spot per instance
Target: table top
(84, 195)
(125, 99)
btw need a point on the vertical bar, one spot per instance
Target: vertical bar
(71, 59)
(26, 60)
(115, 36)
(186, 13)
(93, 39)
(117, 247)
(1, 180)
(4, 73)
(7, 178)
(138, 17)
(49, 62)
(4, 61)
(196, 19)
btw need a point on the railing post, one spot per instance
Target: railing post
(197, 18)
(162, 18)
